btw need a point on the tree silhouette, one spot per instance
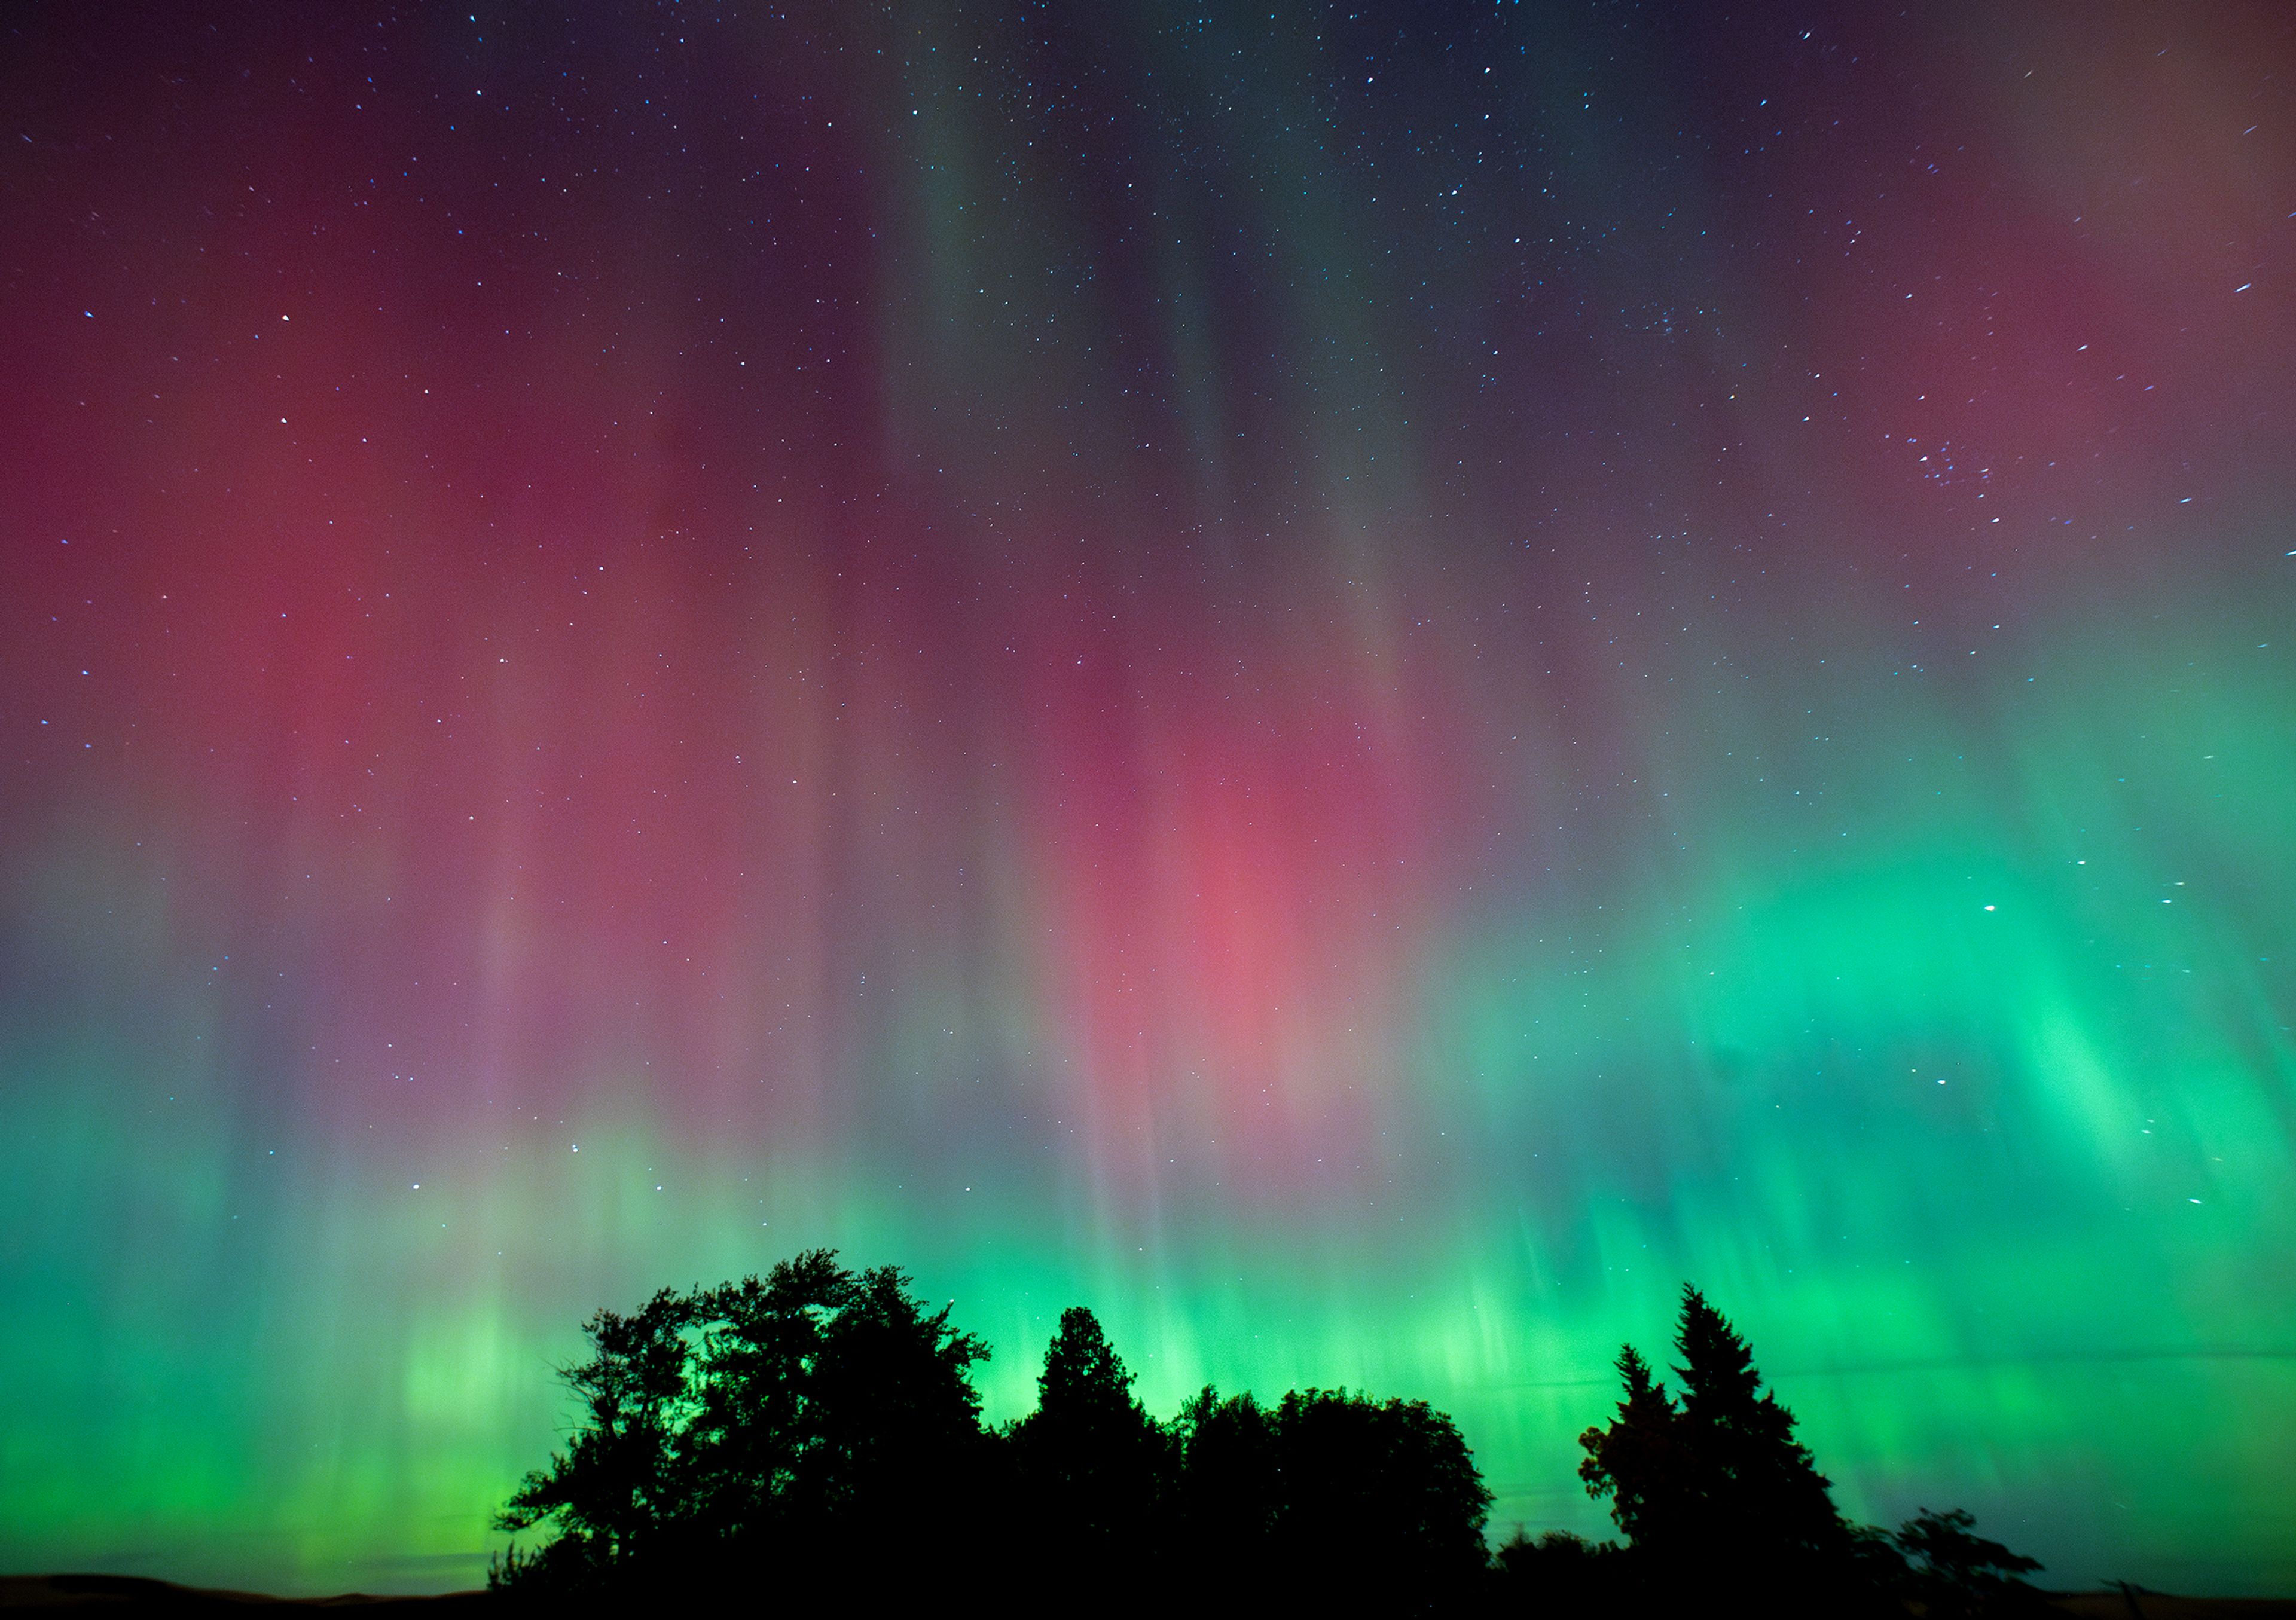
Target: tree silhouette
(754, 1422)
(1229, 1491)
(791, 1420)
(890, 1409)
(1559, 1573)
(1716, 1487)
(1761, 1487)
(616, 1491)
(814, 1436)
(1640, 1461)
(1094, 1465)
(1957, 1574)
(1380, 1502)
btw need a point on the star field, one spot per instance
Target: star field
(1360, 685)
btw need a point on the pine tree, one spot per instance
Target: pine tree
(1716, 1487)
(1639, 1461)
(1093, 1461)
(1761, 1487)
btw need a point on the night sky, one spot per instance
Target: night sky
(1357, 685)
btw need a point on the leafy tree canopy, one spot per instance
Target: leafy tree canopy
(802, 1409)
(1957, 1573)
(814, 1435)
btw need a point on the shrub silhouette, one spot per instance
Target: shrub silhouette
(1559, 1573)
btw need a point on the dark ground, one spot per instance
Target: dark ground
(133, 1594)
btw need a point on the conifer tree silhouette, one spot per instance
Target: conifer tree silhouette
(1716, 1488)
(1761, 1487)
(1093, 1464)
(1639, 1461)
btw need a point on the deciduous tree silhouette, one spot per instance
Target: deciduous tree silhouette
(1328, 1498)
(1384, 1495)
(893, 1421)
(617, 1491)
(1229, 1489)
(1955, 1574)
(754, 1420)
(792, 1419)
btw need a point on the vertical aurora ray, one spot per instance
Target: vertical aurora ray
(1359, 689)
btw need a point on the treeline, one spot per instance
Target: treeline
(814, 1435)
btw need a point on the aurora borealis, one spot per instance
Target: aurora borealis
(1357, 685)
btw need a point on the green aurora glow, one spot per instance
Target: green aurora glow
(1363, 799)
